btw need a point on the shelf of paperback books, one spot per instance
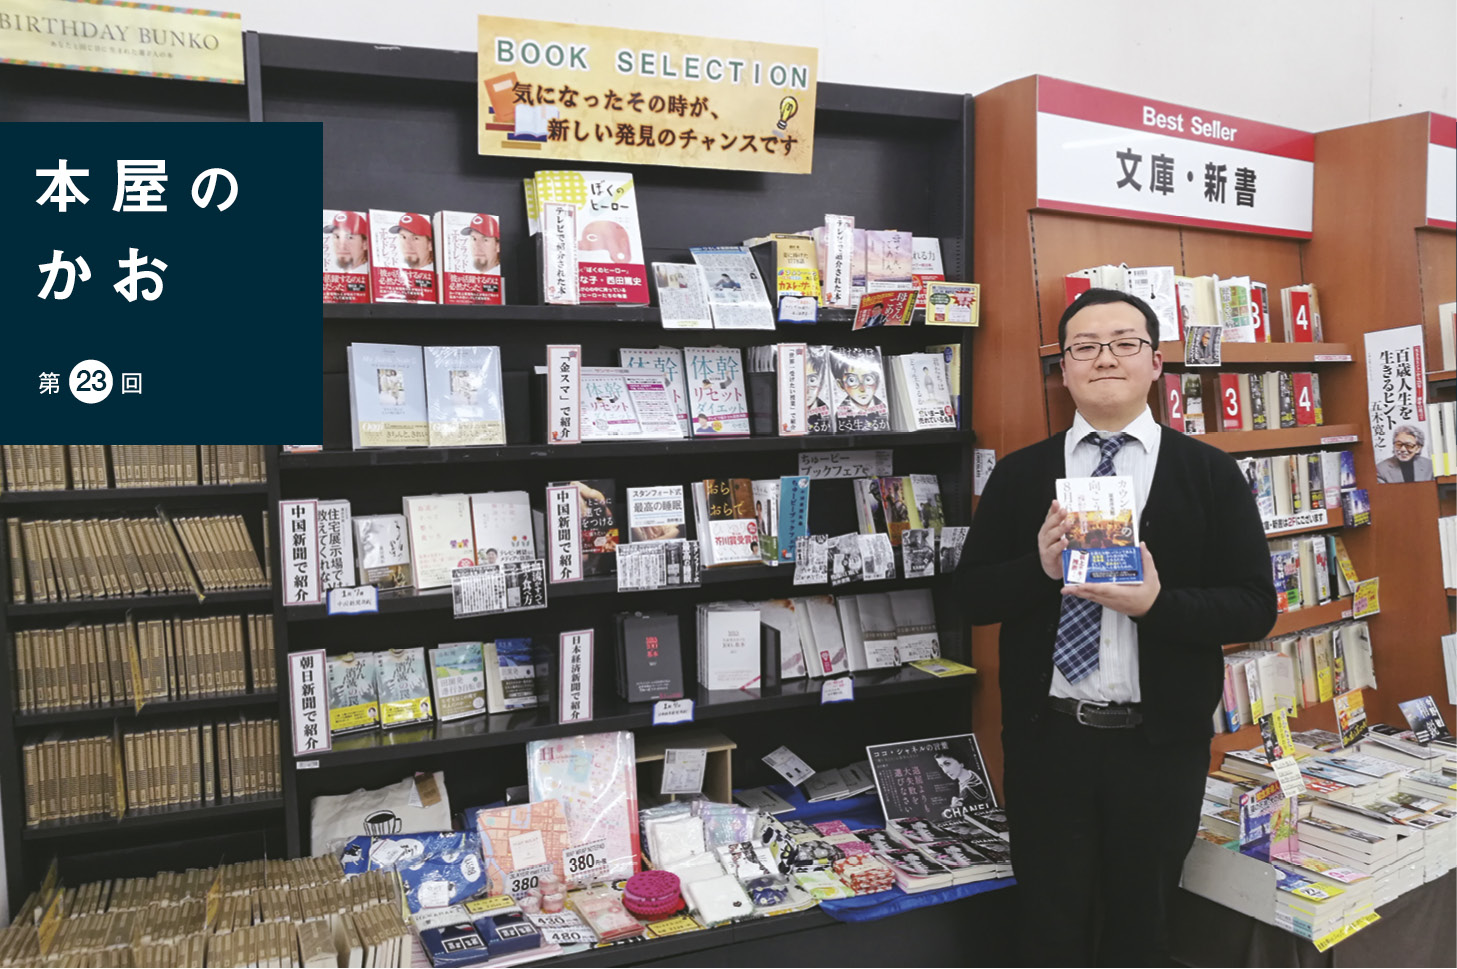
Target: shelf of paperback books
(611, 713)
(161, 708)
(532, 313)
(1249, 353)
(1238, 442)
(103, 495)
(614, 450)
(153, 819)
(123, 603)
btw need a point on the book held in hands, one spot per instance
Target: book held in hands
(1102, 534)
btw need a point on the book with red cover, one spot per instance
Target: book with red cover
(468, 257)
(402, 257)
(1229, 402)
(346, 257)
(1172, 397)
(1304, 399)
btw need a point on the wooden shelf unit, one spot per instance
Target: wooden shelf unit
(1283, 439)
(1387, 238)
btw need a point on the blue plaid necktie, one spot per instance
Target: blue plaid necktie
(1076, 651)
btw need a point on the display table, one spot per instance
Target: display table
(971, 931)
(951, 927)
(1417, 929)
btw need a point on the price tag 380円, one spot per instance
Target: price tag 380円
(586, 863)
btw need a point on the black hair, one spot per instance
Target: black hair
(1097, 297)
(842, 359)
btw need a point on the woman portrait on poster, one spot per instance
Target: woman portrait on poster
(971, 786)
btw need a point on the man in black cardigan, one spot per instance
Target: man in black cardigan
(1109, 690)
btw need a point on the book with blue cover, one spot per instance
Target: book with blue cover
(512, 675)
(387, 396)
(463, 396)
(793, 514)
(1102, 536)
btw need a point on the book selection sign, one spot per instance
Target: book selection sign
(135, 234)
(582, 93)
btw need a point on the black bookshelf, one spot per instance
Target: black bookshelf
(155, 708)
(397, 129)
(157, 820)
(890, 158)
(589, 451)
(120, 604)
(92, 496)
(80, 844)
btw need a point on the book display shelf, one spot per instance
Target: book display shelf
(1407, 268)
(398, 130)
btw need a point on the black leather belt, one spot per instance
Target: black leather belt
(1094, 713)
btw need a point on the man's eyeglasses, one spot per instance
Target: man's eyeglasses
(1399, 446)
(1127, 347)
(855, 379)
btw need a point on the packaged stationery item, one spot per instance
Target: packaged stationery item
(436, 869)
(719, 899)
(510, 835)
(505, 934)
(595, 778)
(604, 912)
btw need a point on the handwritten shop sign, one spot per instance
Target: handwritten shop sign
(568, 93)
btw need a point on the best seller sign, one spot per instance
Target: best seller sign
(565, 92)
(1106, 153)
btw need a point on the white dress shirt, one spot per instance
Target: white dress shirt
(1116, 678)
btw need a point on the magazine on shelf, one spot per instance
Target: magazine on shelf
(736, 294)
